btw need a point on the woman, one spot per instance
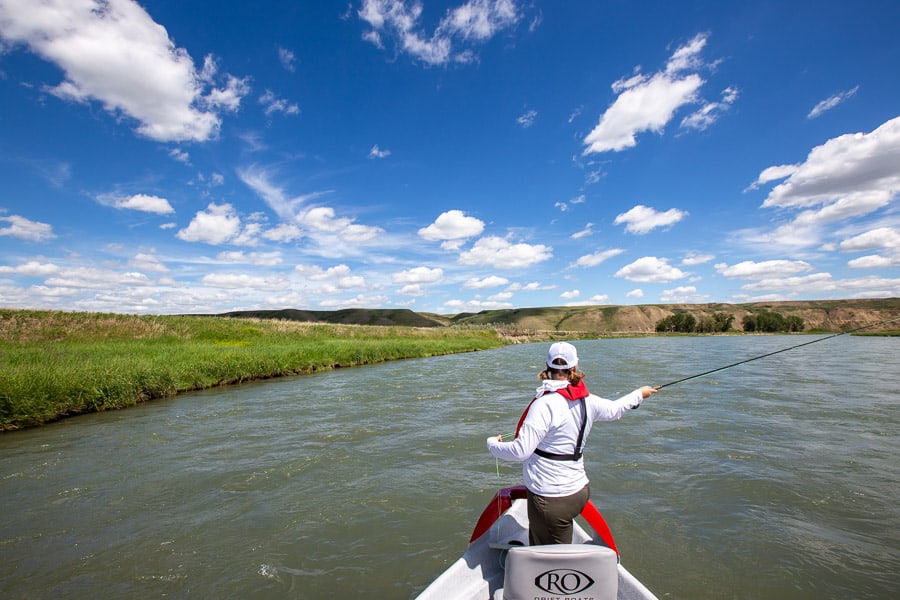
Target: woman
(550, 440)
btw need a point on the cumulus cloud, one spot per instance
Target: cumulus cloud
(693, 259)
(850, 176)
(749, 269)
(218, 224)
(26, 229)
(418, 275)
(643, 219)
(113, 52)
(148, 262)
(452, 228)
(884, 240)
(485, 283)
(650, 269)
(500, 253)
(32, 268)
(145, 203)
(399, 22)
(649, 102)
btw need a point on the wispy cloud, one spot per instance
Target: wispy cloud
(828, 103)
(643, 219)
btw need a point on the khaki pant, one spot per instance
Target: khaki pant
(550, 519)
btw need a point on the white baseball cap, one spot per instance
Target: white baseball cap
(565, 351)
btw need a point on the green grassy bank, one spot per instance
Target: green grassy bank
(55, 364)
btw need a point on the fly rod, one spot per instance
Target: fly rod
(776, 352)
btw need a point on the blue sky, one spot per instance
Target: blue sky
(192, 157)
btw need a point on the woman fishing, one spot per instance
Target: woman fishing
(550, 439)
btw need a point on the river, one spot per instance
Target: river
(776, 479)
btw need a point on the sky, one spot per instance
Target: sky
(162, 157)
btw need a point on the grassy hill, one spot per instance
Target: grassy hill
(818, 315)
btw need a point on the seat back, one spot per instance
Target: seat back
(561, 570)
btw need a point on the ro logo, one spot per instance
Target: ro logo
(563, 582)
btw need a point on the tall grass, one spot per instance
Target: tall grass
(54, 364)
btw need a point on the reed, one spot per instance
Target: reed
(55, 364)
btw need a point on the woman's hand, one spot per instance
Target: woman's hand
(648, 390)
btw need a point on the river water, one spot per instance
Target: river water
(777, 479)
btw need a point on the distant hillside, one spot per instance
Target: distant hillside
(348, 316)
(817, 315)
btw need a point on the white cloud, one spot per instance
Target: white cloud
(262, 259)
(635, 293)
(710, 112)
(334, 279)
(683, 295)
(418, 275)
(887, 238)
(284, 232)
(692, 259)
(452, 228)
(399, 20)
(762, 270)
(650, 269)
(114, 52)
(317, 219)
(25, 229)
(287, 58)
(273, 104)
(592, 260)
(145, 203)
(31, 268)
(486, 283)
(649, 102)
(458, 306)
(526, 120)
(830, 102)
(643, 219)
(377, 152)
(570, 294)
(98, 279)
(147, 262)
(500, 253)
(849, 176)
(218, 224)
(588, 230)
(242, 281)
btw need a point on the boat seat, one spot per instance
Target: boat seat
(561, 571)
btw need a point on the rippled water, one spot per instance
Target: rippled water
(777, 479)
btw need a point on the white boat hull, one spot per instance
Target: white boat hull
(479, 573)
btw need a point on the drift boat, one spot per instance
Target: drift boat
(500, 565)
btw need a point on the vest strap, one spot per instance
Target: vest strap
(579, 451)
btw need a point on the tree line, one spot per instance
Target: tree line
(763, 322)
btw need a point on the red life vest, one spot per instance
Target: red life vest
(572, 393)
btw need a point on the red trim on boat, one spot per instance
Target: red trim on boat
(503, 500)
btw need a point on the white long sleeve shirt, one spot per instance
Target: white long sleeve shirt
(553, 424)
